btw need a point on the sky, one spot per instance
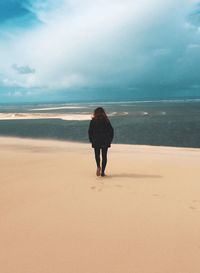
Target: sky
(99, 49)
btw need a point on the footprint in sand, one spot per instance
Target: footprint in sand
(196, 201)
(158, 195)
(195, 208)
(118, 186)
(94, 188)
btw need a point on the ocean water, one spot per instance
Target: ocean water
(165, 123)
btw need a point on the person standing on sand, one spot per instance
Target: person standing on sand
(100, 134)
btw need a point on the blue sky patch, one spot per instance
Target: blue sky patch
(11, 9)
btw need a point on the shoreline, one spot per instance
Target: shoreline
(22, 140)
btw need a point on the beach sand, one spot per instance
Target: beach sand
(56, 216)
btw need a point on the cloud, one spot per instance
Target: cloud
(23, 69)
(80, 44)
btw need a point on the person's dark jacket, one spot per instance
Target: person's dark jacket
(100, 133)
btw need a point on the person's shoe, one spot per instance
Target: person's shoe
(98, 171)
(103, 174)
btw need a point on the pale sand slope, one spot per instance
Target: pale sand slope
(57, 217)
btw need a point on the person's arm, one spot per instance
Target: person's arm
(111, 132)
(90, 131)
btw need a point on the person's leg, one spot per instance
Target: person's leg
(104, 160)
(97, 158)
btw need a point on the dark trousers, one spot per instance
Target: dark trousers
(104, 157)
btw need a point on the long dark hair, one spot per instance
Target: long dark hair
(100, 114)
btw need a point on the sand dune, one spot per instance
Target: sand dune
(70, 116)
(57, 216)
(14, 116)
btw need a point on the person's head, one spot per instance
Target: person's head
(100, 114)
